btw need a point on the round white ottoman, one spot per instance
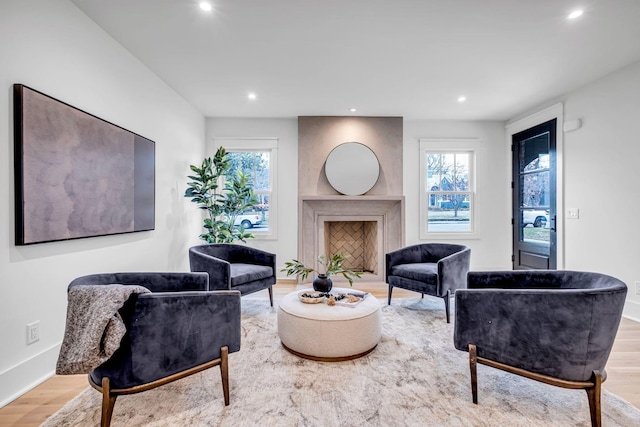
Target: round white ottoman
(329, 333)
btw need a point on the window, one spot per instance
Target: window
(447, 188)
(256, 158)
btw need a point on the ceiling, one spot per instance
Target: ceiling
(410, 58)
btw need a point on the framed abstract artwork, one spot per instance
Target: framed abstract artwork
(77, 175)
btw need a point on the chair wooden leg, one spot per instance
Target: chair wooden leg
(594, 394)
(271, 295)
(473, 367)
(447, 298)
(108, 402)
(224, 372)
(389, 298)
(422, 296)
(592, 387)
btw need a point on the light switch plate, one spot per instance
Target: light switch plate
(573, 213)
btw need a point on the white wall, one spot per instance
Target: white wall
(491, 249)
(52, 47)
(602, 179)
(286, 130)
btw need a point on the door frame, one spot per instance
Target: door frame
(512, 127)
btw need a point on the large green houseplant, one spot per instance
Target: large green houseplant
(222, 204)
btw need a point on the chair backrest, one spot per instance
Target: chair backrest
(154, 281)
(230, 252)
(542, 279)
(427, 252)
(223, 251)
(434, 252)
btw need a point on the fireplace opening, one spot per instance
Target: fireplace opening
(357, 240)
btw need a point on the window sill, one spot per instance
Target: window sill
(264, 236)
(450, 236)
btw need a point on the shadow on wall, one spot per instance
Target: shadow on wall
(178, 225)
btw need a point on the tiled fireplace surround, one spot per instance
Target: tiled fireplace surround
(364, 227)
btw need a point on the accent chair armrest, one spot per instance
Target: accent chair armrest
(218, 269)
(407, 255)
(452, 271)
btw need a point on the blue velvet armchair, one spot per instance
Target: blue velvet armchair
(435, 269)
(178, 329)
(557, 327)
(235, 267)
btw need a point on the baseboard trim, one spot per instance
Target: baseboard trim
(631, 310)
(19, 379)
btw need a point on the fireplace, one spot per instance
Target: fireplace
(363, 227)
(357, 240)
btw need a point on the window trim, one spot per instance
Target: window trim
(449, 146)
(259, 144)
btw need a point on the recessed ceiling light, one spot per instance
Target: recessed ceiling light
(252, 96)
(462, 99)
(353, 110)
(206, 6)
(575, 14)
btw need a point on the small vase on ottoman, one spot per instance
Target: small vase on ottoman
(322, 283)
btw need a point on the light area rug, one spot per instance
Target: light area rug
(414, 377)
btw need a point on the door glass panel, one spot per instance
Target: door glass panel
(535, 189)
(534, 197)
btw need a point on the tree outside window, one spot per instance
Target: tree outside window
(448, 190)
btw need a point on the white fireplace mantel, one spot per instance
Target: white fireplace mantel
(315, 210)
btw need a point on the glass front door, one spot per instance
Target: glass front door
(534, 197)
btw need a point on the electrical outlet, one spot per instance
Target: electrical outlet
(33, 332)
(573, 213)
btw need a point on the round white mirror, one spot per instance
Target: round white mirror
(352, 168)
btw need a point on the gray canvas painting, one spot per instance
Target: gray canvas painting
(81, 176)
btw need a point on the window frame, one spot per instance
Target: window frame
(259, 144)
(449, 146)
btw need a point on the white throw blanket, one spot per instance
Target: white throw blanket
(94, 327)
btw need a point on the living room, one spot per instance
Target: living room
(53, 47)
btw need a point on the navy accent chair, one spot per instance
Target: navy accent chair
(436, 269)
(556, 327)
(178, 329)
(235, 267)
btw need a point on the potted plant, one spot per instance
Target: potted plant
(330, 266)
(222, 203)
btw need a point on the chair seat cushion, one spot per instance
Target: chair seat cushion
(426, 272)
(245, 273)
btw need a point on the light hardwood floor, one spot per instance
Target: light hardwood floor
(37, 405)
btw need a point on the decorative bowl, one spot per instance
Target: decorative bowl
(311, 297)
